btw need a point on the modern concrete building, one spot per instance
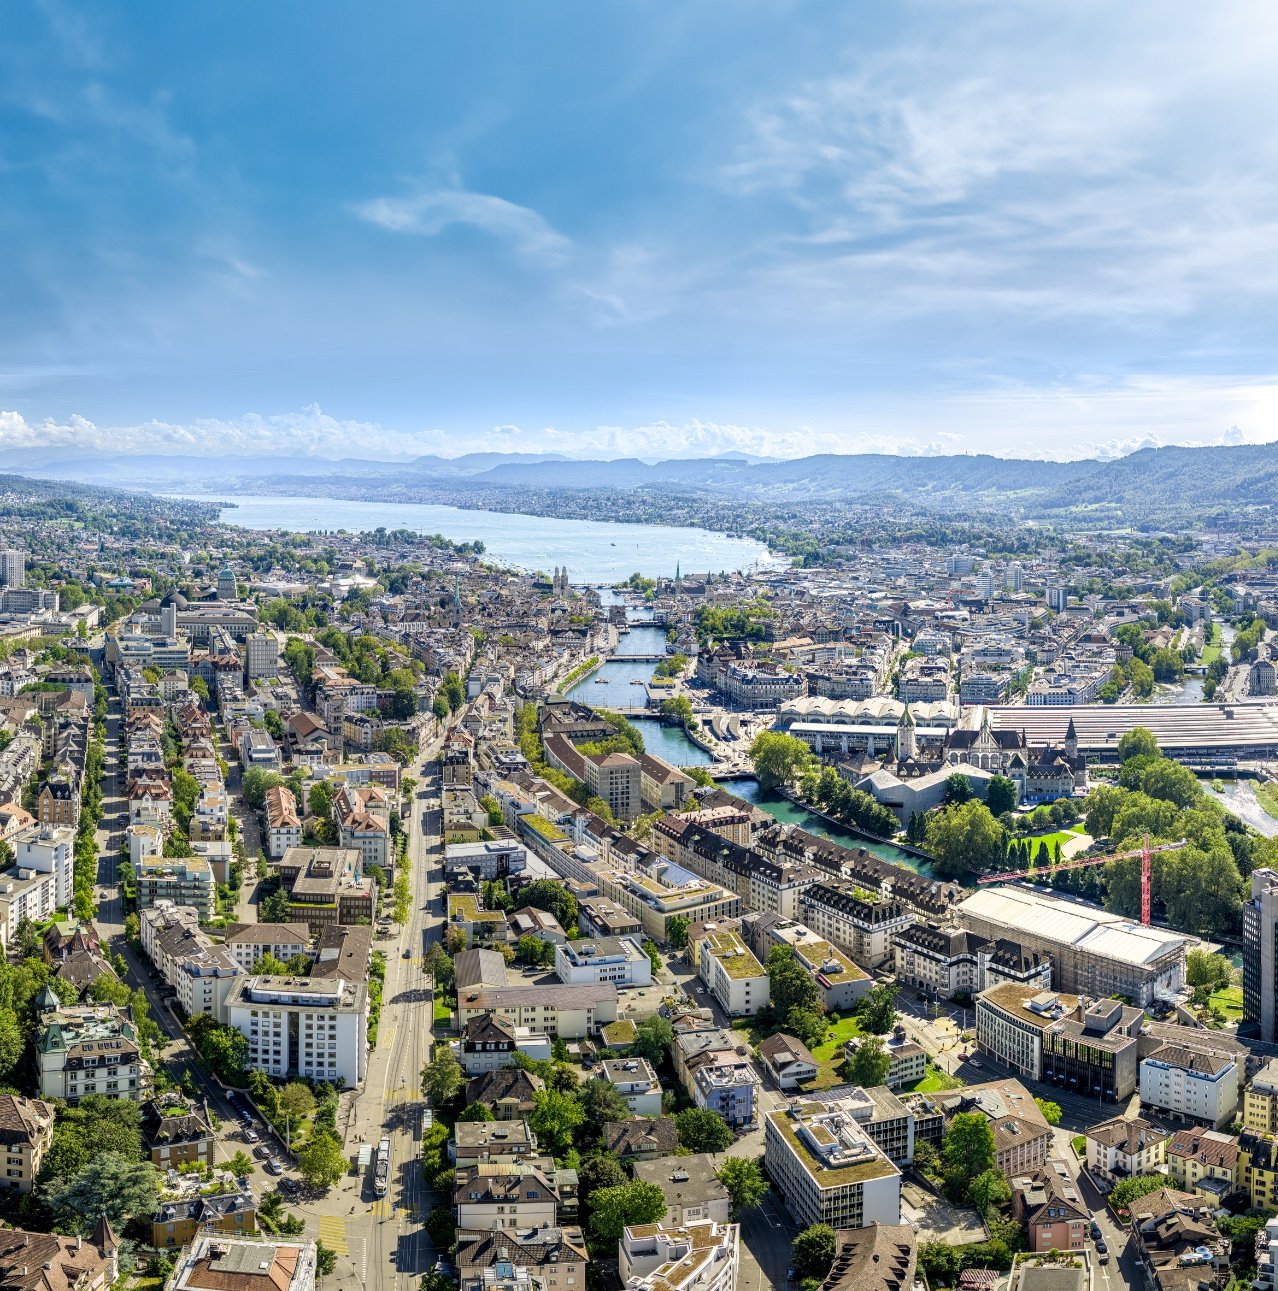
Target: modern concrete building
(699, 1256)
(617, 778)
(828, 1168)
(1189, 1083)
(312, 1027)
(1260, 958)
(620, 960)
(730, 971)
(187, 881)
(635, 1080)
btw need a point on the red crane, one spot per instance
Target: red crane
(1145, 853)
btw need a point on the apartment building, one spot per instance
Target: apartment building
(247, 943)
(217, 1262)
(283, 825)
(312, 1027)
(698, 1256)
(175, 1132)
(50, 849)
(190, 1205)
(1203, 1161)
(658, 890)
(555, 1258)
(1022, 1136)
(841, 983)
(261, 655)
(489, 1041)
(185, 881)
(828, 1168)
(859, 922)
(1049, 1204)
(620, 960)
(517, 1199)
(617, 778)
(635, 1080)
(26, 1131)
(87, 1049)
(730, 971)
(568, 1012)
(1124, 1147)
(1190, 1083)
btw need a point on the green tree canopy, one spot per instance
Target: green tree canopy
(701, 1130)
(965, 839)
(813, 1251)
(870, 1062)
(108, 1184)
(968, 1146)
(779, 758)
(613, 1209)
(654, 1037)
(1138, 742)
(322, 1163)
(745, 1182)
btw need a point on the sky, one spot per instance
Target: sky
(1026, 227)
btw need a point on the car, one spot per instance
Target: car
(408, 954)
(1096, 1230)
(1101, 1248)
(272, 1166)
(262, 1152)
(1102, 1256)
(251, 1135)
(289, 1187)
(789, 1275)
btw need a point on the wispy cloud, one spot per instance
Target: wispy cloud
(429, 212)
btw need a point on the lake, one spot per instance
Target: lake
(594, 551)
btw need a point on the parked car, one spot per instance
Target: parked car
(251, 1135)
(262, 1152)
(1101, 1248)
(272, 1166)
(1096, 1230)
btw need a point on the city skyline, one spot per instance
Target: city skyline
(775, 230)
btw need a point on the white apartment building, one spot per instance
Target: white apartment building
(700, 1256)
(828, 1168)
(261, 653)
(91, 1049)
(1125, 1147)
(731, 973)
(25, 894)
(857, 921)
(49, 850)
(201, 973)
(308, 1026)
(1190, 1084)
(283, 825)
(187, 881)
(620, 960)
(635, 1080)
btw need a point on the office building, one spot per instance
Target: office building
(1260, 962)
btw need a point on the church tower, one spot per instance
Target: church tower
(906, 745)
(1071, 740)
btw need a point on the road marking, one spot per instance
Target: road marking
(385, 1209)
(332, 1232)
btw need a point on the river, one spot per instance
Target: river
(594, 551)
(791, 813)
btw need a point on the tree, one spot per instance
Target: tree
(958, 788)
(614, 1209)
(296, 1100)
(255, 783)
(1205, 969)
(677, 931)
(325, 1260)
(322, 1162)
(813, 1251)
(779, 758)
(1000, 795)
(701, 1130)
(1138, 742)
(443, 1079)
(476, 1112)
(968, 1146)
(27, 939)
(965, 839)
(877, 1010)
(108, 1184)
(601, 1101)
(319, 800)
(744, 1181)
(790, 985)
(12, 1043)
(554, 1117)
(806, 1025)
(240, 1165)
(870, 1062)
(1051, 1111)
(274, 907)
(551, 895)
(654, 954)
(654, 1037)
(599, 1172)
(988, 1189)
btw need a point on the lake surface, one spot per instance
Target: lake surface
(791, 813)
(594, 551)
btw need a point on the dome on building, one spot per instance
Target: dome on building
(176, 599)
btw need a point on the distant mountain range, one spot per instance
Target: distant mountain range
(1153, 480)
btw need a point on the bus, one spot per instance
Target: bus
(381, 1179)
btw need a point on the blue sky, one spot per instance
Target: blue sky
(636, 228)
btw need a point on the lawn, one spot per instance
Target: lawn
(1079, 1142)
(1229, 1001)
(829, 1054)
(935, 1080)
(1052, 837)
(443, 1011)
(1211, 651)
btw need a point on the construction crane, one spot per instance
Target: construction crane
(1145, 853)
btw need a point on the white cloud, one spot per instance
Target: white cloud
(429, 213)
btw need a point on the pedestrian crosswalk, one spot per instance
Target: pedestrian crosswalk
(402, 1094)
(332, 1232)
(383, 1209)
